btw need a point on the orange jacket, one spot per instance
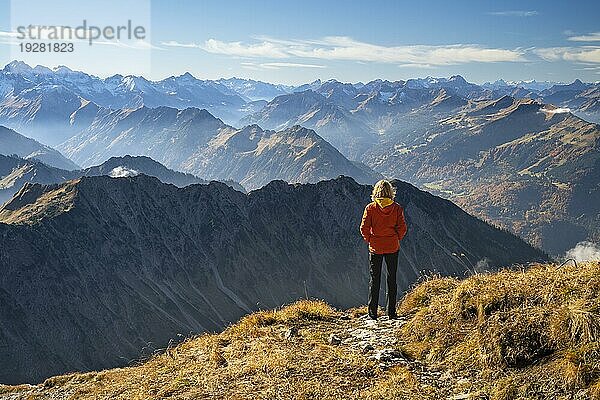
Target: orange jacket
(383, 227)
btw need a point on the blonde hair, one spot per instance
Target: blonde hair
(383, 188)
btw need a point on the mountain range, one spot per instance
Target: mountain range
(413, 129)
(143, 262)
(252, 90)
(311, 109)
(529, 167)
(38, 101)
(194, 141)
(384, 108)
(15, 172)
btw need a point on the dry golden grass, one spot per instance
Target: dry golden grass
(522, 334)
(531, 334)
(249, 360)
(51, 203)
(357, 312)
(300, 311)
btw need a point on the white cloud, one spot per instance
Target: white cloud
(278, 65)
(347, 49)
(560, 110)
(173, 43)
(11, 37)
(591, 37)
(123, 172)
(293, 65)
(4, 34)
(264, 49)
(343, 48)
(514, 13)
(134, 44)
(416, 65)
(584, 251)
(251, 66)
(8, 38)
(585, 54)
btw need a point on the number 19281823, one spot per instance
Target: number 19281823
(41, 47)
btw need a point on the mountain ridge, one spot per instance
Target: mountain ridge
(13, 143)
(16, 172)
(143, 260)
(195, 141)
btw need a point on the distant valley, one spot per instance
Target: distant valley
(526, 166)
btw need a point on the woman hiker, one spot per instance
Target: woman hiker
(383, 228)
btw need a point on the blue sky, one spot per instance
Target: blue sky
(299, 41)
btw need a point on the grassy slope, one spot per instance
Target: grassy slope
(514, 334)
(521, 334)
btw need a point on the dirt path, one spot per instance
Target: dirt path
(378, 341)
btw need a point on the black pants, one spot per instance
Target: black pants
(391, 262)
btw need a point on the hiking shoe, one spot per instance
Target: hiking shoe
(373, 317)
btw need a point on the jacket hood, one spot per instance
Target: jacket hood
(384, 204)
